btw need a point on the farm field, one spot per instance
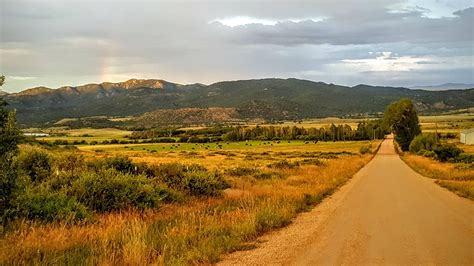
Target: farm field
(321, 122)
(269, 184)
(447, 123)
(87, 134)
(252, 153)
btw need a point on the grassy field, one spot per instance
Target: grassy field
(321, 122)
(293, 145)
(87, 134)
(284, 179)
(457, 177)
(252, 153)
(447, 123)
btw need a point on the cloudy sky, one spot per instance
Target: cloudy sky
(378, 42)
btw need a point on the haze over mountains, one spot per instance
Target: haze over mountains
(267, 99)
(445, 86)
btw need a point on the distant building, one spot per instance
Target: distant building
(36, 134)
(467, 136)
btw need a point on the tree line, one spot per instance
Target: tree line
(372, 129)
(366, 130)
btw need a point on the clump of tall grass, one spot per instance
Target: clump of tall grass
(242, 171)
(462, 188)
(193, 180)
(365, 149)
(283, 164)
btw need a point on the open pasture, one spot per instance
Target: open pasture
(318, 122)
(252, 153)
(294, 145)
(269, 185)
(87, 134)
(447, 123)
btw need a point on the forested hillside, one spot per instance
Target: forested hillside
(268, 99)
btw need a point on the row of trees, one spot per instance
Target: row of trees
(174, 132)
(373, 129)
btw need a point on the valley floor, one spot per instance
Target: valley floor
(270, 185)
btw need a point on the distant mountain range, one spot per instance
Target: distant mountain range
(264, 99)
(446, 86)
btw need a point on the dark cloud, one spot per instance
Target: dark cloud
(379, 28)
(55, 43)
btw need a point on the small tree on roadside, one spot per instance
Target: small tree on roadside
(9, 138)
(402, 119)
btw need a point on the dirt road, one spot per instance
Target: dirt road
(387, 214)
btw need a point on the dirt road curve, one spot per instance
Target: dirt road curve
(387, 214)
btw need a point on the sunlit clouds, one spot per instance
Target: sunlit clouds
(244, 20)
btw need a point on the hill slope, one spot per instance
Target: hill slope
(262, 98)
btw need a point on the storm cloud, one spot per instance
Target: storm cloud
(399, 43)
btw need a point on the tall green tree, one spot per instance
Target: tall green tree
(9, 138)
(402, 119)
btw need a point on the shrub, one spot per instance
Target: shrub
(447, 151)
(60, 142)
(426, 153)
(36, 164)
(183, 139)
(269, 218)
(242, 171)
(70, 162)
(314, 161)
(112, 190)
(168, 171)
(121, 164)
(284, 164)
(465, 158)
(50, 206)
(365, 149)
(203, 183)
(268, 175)
(424, 142)
(192, 179)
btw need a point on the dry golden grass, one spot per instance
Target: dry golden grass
(462, 188)
(438, 170)
(465, 148)
(194, 232)
(455, 177)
